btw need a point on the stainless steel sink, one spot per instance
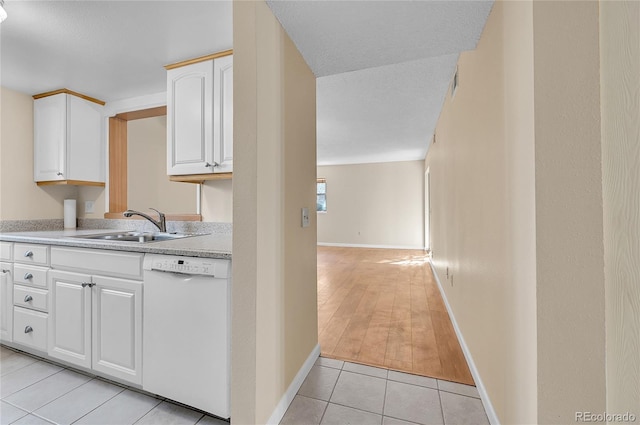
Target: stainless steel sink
(142, 237)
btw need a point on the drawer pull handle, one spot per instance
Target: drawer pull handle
(5, 270)
(28, 254)
(89, 284)
(28, 329)
(28, 276)
(28, 298)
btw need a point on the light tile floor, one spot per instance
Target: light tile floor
(337, 392)
(34, 391)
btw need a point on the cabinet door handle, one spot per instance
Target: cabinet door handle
(58, 173)
(28, 329)
(5, 270)
(28, 254)
(28, 276)
(28, 298)
(215, 164)
(89, 284)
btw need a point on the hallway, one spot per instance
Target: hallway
(383, 308)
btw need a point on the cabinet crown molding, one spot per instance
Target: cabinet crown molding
(67, 91)
(199, 59)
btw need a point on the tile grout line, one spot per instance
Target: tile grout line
(441, 408)
(331, 395)
(30, 385)
(61, 395)
(101, 404)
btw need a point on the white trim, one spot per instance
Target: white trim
(357, 245)
(488, 407)
(295, 385)
(136, 104)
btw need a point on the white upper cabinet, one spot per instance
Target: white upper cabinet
(223, 114)
(200, 117)
(68, 140)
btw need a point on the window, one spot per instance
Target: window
(321, 192)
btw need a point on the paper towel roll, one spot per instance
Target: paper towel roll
(69, 213)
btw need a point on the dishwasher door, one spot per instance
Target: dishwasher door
(186, 338)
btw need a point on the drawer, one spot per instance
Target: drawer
(30, 275)
(24, 296)
(31, 254)
(127, 265)
(6, 251)
(30, 328)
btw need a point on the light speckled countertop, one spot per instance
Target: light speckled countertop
(215, 245)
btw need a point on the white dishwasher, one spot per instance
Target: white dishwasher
(186, 331)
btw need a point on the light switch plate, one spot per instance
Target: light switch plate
(88, 207)
(305, 217)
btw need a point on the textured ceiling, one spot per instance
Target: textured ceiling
(107, 49)
(381, 114)
(341, 36)
(384, 68)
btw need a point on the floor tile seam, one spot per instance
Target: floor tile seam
(61, 395)
(156, 406)
(106, 401)
(48, 403)
(147, 412)
(20, 368)
(354, 408)
(400, 419)
(17, 407)
(384, 398)
(43, 418)
(463, 395)
(30, 385)
(441, 408)
(366, 374)
(414, 385)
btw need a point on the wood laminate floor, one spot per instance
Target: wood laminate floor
(382, 307)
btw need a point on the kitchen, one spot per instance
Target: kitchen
(23, 200)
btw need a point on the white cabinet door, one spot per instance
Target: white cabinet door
(68, 139)
(6, 302)
(117, 328)
(84, 140)
(190, 119)
(70, 317)
(49, 138)
(223, 114)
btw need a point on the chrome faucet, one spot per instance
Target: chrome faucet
(160, 224)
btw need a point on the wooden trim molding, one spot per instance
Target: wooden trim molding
(117, 164)
(145, 113)
(70, 183)
(67, 91)
(200, 59)
(169, 217)
(200, 178)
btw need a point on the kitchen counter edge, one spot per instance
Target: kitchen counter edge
(205, 246)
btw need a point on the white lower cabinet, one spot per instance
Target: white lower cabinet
(96, 322)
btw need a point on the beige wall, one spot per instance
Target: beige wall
(148, 184)
(20, 197)
(517, 210)
(620, 90)
(274, 292)
(482, 196)
(374, 204)
(569, 241)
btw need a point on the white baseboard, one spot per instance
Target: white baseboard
(358, 245)
(488, 407)
(295, 385)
